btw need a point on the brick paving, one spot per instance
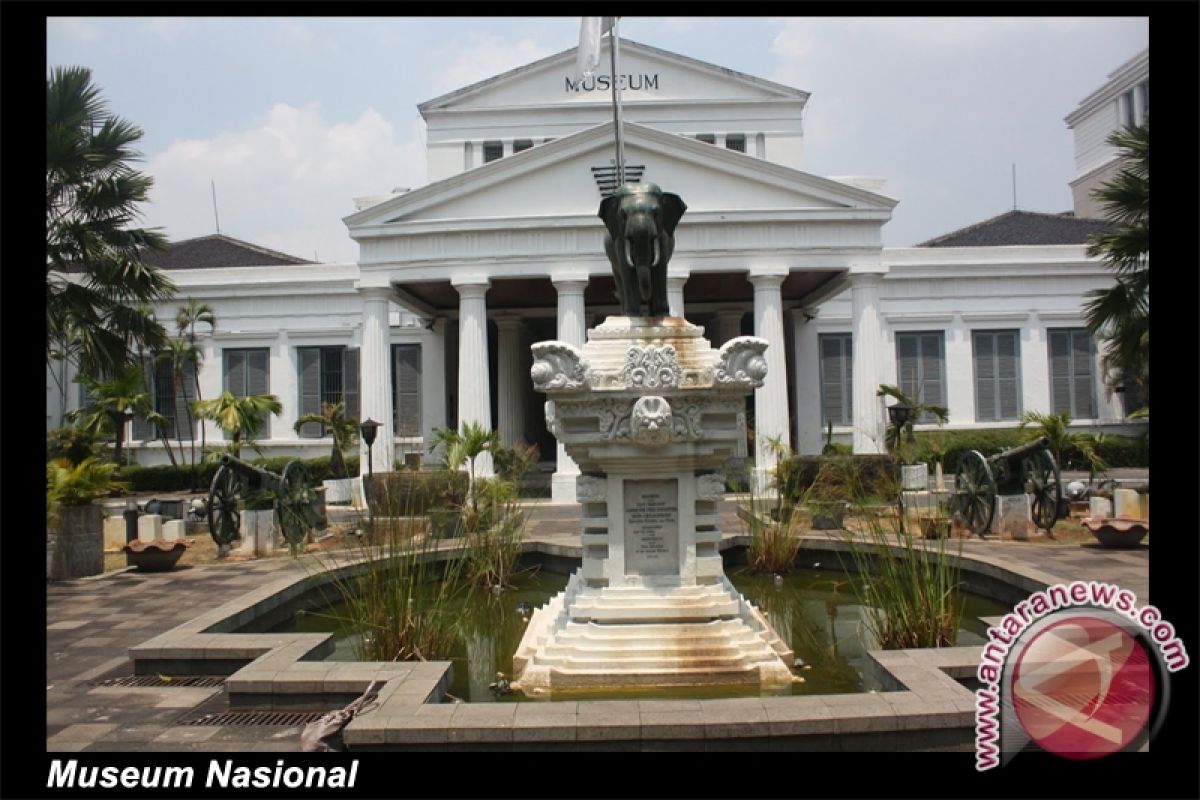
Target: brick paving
(91, 624)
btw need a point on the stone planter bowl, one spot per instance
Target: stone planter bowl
(156, 556)
(1118, 532)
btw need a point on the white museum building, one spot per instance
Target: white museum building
(503, 247)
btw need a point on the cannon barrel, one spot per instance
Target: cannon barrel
(248, 470)
(1022, 451)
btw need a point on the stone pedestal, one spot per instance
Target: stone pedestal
(1126, 504)
(150, 527)
(1013, 518)
(1100, 507)
(174, 530)
(649, 411)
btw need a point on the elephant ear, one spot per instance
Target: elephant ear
(673, 208)
(608, 213)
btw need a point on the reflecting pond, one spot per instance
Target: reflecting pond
(816, 611)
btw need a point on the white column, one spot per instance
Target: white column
(283, 385)
(375, 370)
(212, 380)
(510, 383)
(474, 377)
(1035, 367)
(572, 327)
(868, 344)
(507, 144)
(960, 373)
(770, 400)
(729, 325)
(806, 386)
(675, 282)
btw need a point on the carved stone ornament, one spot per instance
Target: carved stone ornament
(557, 366)
(741, 361)
(552, 419)
(651, 367)
(589, 489)
(711, 486)
(650, 422)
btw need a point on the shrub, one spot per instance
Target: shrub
(871, 474)
(412, 493)
(178, 479)
(1115, 450)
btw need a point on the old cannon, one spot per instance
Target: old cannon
(1028, 468)
(298, 507)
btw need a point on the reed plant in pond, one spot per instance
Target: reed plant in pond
(400, 594)
(910, 588)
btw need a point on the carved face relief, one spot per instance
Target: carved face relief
(650, 422)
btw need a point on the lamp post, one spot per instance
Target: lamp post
(368, 428)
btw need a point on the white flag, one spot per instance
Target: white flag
(590, 32)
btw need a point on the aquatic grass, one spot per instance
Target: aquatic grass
(911, 592)
(399, 589)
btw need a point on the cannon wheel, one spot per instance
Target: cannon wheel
(224, 521)
(974, 492)
(295, 498)
(1043, 481)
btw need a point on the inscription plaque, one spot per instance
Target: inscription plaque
(652, 527)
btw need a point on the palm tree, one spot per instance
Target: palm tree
(240, 417)
(112, 403)
(1121, 313)
(344, 430)
(190, 314)
(895, 435)
(1056, 428)
(179, 353)
(94, 273)
(465, 447)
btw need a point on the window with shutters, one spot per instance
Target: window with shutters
(492, 151)
(1132, 394)
(406, 389)
(921, 368)
(1072, 384)
(520, 145)
(327, 375)
(837, 403)
(247, 372)
(997, 356)
(707, 138)
(736, 141)
(169, 397)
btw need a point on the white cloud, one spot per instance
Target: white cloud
(167, 28)
(72, 27)
(483, 55)
(284, 184)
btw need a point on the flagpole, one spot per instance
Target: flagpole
(616, 99)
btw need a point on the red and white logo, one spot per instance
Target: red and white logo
(1083, 687)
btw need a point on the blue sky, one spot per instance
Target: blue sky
(293, 117)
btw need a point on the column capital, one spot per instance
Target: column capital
(767, 281)
(574, 283)
(865, 279)
(508, 322)
(676, 281)
(473, 288)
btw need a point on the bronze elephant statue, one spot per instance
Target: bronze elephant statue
(641, 220)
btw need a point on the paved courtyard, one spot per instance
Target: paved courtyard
(92, 623)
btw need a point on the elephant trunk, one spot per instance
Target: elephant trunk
(643, 253)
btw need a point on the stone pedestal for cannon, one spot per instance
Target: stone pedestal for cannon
(650, 412)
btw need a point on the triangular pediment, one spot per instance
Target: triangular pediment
(650, 75)
(556, 180)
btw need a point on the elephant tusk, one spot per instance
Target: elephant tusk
(657, 253)
(629, 253)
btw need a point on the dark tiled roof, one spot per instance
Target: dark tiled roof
(1022, 227)
(205, 252)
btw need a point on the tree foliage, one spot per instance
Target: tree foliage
(1120, 314)
(344, 430)
(94, 273)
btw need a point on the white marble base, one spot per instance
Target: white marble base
(1100, 507)
(562, 487)
(150, 527)
(701, 635)
(1127, 504)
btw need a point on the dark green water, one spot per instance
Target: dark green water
(817, 611)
